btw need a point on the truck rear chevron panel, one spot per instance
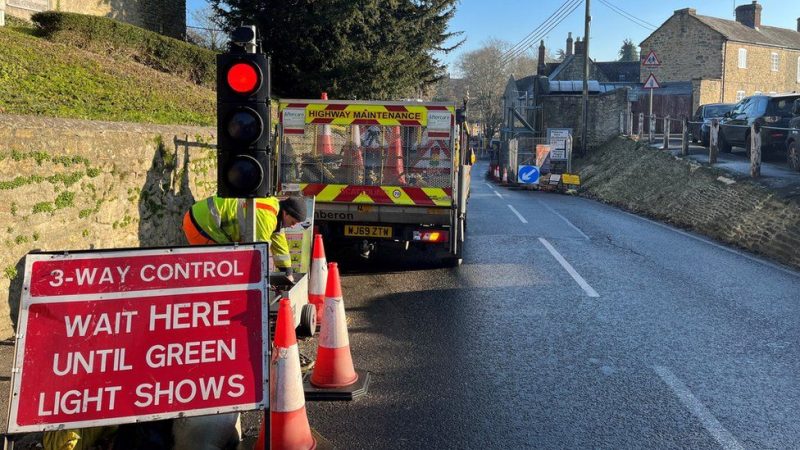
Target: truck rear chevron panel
(379, 195)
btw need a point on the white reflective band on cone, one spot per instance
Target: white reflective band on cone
(287, 395)
(334, 333)
(319, 277)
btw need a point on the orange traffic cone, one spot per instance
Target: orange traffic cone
(354, 157)
(325, 139)
(505, 175)
(318, 277)
(289, 427)
(334, 366)
(394, 164)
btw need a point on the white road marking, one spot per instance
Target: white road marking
(563, 218)
(722, 247)
(497, 193)
(522, 219)
(568, 267)
(710, 423)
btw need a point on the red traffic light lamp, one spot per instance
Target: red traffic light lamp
(243, 77)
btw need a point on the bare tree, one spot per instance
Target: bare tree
(522, 66)
(486, 72)
(206, 32)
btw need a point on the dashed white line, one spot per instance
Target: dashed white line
(710, 423)
(563, 218)
(497, 193)
(568, 267)
(522, 219)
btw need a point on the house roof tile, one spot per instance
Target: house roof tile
(765, 35)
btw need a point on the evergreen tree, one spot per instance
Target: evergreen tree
(352, 49)
(628, 51)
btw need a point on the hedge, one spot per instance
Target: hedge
(121, 40)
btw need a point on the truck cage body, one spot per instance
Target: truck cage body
(370, 162)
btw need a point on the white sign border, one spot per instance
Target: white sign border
(26, 300)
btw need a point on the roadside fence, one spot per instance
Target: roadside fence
(754, 136)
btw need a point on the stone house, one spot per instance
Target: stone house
(725, 60)
(167, 17)
(552, 98)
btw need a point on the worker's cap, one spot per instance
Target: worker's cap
(295, 206)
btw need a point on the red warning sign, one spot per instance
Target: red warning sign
(651, 60)
(651, 83)
(124, 336)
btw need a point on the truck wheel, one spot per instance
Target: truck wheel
(793, 155)
(308, 321)
(724, 145)
(453, 261)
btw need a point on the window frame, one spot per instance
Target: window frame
(798, 69)
(740, 98)
(776, 61)
(742, 58)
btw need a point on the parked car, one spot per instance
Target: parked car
(793, 138)
(700, 125)
(766, 110)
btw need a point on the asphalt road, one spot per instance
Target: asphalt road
(572, 324)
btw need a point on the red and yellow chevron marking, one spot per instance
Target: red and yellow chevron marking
(379, 195)
(366, 114)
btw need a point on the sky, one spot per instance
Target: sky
(513, 20)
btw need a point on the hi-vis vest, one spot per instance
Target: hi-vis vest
(220, 219)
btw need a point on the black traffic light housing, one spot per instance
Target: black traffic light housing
(243, 120)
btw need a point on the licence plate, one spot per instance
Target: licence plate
(368, 231)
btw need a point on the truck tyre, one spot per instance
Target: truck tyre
(724, 145)
(793, 155)
(308, 321)
(453, 261)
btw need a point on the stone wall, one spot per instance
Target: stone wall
(73, 185)
(705, 91)
(688, 195)
(687, 49)
(167, 17)
(564, 111)
(759, 76)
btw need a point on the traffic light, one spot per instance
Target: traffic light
(243, 120)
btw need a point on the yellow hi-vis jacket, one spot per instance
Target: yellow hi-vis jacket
(220, 218)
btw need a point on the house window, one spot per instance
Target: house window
(739, 95)
(743, 58)
(774, 62)
(798, 69)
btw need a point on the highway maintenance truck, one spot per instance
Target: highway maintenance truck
(383, 173)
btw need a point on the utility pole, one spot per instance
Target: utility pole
(585, 115)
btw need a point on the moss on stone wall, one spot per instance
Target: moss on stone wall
(96, 185)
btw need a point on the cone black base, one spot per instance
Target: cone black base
(347, 393)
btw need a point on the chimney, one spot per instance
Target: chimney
(578, 47)
(798, 24)
(542, 66)
(568, 51)
(749, 15)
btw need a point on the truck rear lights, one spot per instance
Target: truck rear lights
(431, 236)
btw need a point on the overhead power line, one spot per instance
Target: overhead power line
(641, 22)
(525, 42)
(547, 28)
